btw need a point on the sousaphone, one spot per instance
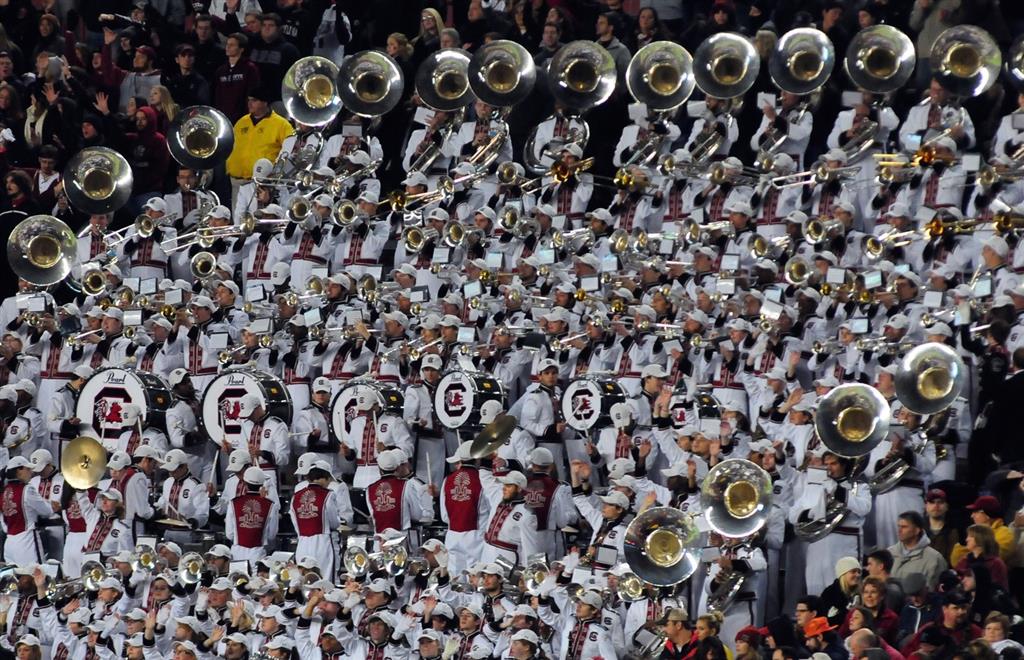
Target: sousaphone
(201, 137)
(661, 546)
(40, 250)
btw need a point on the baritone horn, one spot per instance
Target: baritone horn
(929, 378)
(201, 137)
(852, 419)
(965, 60)
(40, 250)
(736, 496)
(370, 83)
(726, 65)
(660, 75)
(661, 546)
(190, 568)
(97, 180)
(309, 91)
(202, 265)
(802, 61)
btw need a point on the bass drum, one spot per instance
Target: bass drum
(459, 396)
(588, 401)
(103, 397)
(219, 414)
(343, 408)
(680, 407)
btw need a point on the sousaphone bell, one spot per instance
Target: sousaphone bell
(661, 546)
(40, 250)
(726, 65)
(660, 76)
(965, 60)
(929, 378)
(370, 83)
(309, 91)
(502, 73)
(1015, 64)
(736, 496)
(442, 81)
(581, 75)
(802, 61)
(880, 59)
(852, 419)
(83, 462)
(201, 137)
(97, 180)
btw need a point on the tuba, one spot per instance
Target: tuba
(660, 76)
(1015, 65)
(201, 137)
(730, 584)
(852, 419)
(889, 476)
(929, 378)
(40, 250)
(97, 180)
(661, 546)
(725, 66)
(800, 64)
(370, 83)
(580, 75)
(442, 83)
(309, 91)
(879, 59)
(735, 497)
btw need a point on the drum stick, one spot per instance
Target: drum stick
(430, 481)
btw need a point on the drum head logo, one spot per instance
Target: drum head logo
(455, 400)
(583, 407)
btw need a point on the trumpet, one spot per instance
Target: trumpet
(228, 356)
(883, 345)
(203, 265)
(828, 347)
(560, 239)
(565, 343)
(761, 247)
(719, 174)
(928, 319)
(817, 231)
(94, 281)
(414, 239)
(293, 299)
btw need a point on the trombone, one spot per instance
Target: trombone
(820, 173)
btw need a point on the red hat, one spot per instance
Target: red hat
(935, 494)
(817, 626)
(988, 504)
(750, 635)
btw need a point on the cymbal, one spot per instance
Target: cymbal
(171, 522)
(493, 436)
(83, 462)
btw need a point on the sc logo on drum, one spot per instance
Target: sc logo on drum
(455, 400)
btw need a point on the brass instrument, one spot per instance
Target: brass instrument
(414, 239)
(190, 568)
(370, 83)
(660, 75)
(83, 463)
(583, 236)
(144, 558)
(929, 378)
(200, 137)
(730, 584)
(76, 340)
(501, 73)
(661, 546)
(557, 345)
(202, 265)
(988, 175)
(761, 247)
(726, 65)
(630, 588)
(40, 250)
(852, 419)
(817, 231)
(97, 180)
(888, 476)
(965, 60)
(736, 496)
(883, 345)
(819, 173)
(309, 91)
(810, 531)
(719, 174)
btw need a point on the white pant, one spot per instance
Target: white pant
(463, 549)
(491, 552)
(252, 555)
(320, 548)
(435, 449)
(23, 549)
(73, 544)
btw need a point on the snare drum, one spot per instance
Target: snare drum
(343, 408)
(459, 396)
(103, 396)
(221, 402)
(588, 401)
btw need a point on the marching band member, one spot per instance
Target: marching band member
(395, 501)
(23, 506)
(251, 520)
(791, 121)
(315, 514)
(463, 509)
(135, 487)
(264, 436)
(511, 531)
(181, 496)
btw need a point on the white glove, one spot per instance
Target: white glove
(545, 588)
(201, 600)
(7, 135)
(830, 486)
(137, 578)
(351, 602)
(442, 558)
(570, 562)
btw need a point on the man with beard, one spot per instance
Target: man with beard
(140, 81)
(953, 623)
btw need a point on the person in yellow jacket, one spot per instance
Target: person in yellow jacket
(986, 510)
(258, 134)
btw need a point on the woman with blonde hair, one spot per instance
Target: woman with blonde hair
(429, 38)
(160, 99)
